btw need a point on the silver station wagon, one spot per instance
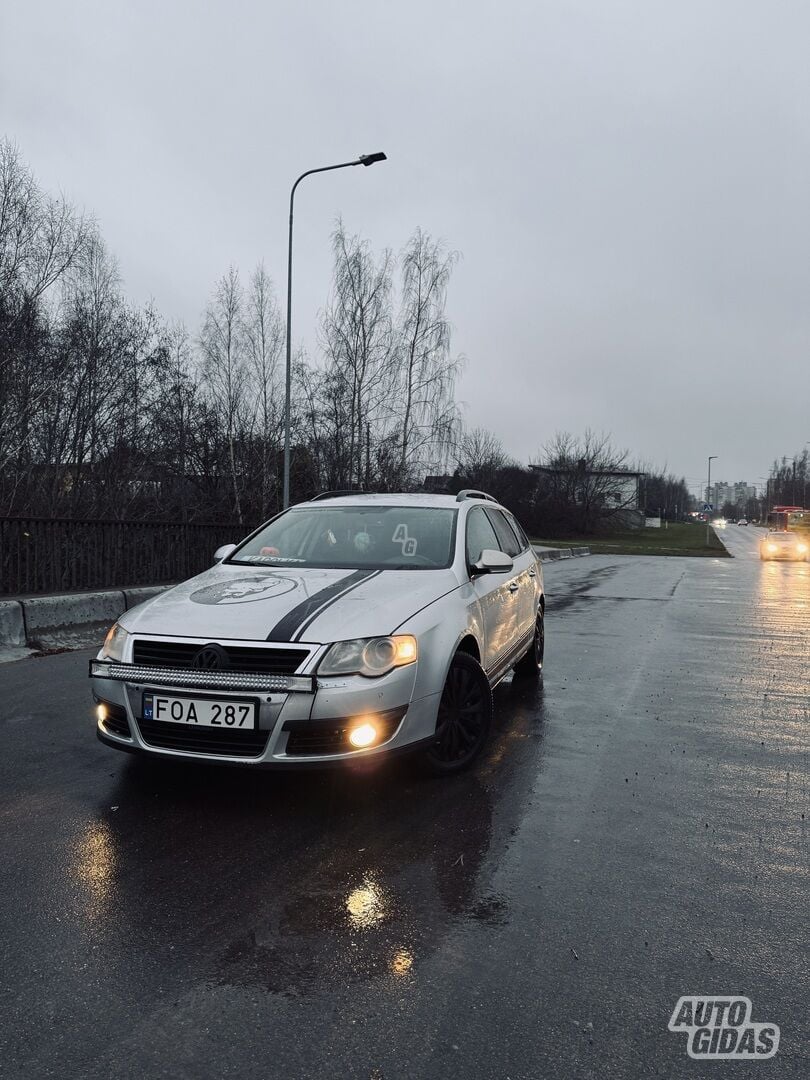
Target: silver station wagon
(346, 627)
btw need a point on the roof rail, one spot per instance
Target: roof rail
(471, 493)
(339, 494)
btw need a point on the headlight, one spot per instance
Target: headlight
(114, 643)
(802, 549)
(369, 656)
(772, 548)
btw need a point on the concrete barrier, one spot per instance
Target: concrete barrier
(554, 554)
(66, 619)
(138, 596)
(71, 609)
(12, 623)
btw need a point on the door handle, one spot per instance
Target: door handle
(514, 587)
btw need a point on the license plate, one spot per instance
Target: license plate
(200, 712)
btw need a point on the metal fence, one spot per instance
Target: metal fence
(40, 555)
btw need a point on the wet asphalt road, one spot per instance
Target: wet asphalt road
(637, 832)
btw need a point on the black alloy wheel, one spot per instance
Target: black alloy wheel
(464, 719)
(531, 665)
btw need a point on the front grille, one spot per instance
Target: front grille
(308, 737)
(243, 658)
(115, 720)
(180, 737)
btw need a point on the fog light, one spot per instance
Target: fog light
(363, 735)
(101, 713)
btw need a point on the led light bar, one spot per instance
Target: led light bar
(201, 680)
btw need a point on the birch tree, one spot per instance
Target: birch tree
(425, 370)
(223, 350)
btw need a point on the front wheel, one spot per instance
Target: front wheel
(531, 665)
(464, 719)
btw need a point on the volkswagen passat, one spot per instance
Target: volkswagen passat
(349, 626)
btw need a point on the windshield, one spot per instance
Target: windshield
(355, 538)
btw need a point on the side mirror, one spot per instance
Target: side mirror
(223, 552)
(493, 562)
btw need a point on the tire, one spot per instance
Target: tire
(464, 718)
(531, 665)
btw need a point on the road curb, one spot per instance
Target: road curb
(33, 620)
(554, 554)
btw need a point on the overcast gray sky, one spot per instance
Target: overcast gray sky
(628, 184)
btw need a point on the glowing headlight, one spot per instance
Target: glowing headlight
(114, 643)
(802, 549)
(369, 656)
(772, 548)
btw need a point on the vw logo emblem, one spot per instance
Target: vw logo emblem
(211, 658)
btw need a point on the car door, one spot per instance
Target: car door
(496, 597)
(512, 541)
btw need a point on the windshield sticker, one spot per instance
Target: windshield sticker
(264, 556)
(408, 542)
(244, 590)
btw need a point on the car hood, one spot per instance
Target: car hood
(269, 604)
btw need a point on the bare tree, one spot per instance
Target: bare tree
(264, 343)
(582, 478)
(223, 348)
(41, 239)
(357, 336)
(426, 373)
(479, 457)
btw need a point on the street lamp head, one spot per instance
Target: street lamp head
(370, 159)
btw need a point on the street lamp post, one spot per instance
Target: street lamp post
(364, 159)
(708, 496)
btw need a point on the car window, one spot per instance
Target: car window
(369, 537)
(520, 532)
(480, 535)
(507, 540)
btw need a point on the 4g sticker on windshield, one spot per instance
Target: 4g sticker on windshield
(408, 542)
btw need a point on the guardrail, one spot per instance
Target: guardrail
(46, 555)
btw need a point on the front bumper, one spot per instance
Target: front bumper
(783, 555)
(299, 724)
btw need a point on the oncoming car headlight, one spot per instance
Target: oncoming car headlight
(801, 548)
(114, 643)
(369, 656)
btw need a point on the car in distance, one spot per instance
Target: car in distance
(743, 521)
(347, 627)
(784, 545)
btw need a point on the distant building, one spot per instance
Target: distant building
(737, 494)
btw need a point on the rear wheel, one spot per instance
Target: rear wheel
(531, 664)
(464, 719)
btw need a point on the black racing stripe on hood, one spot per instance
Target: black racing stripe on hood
(294, 619)
(317, 614)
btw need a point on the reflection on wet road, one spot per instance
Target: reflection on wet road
(635, 833)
